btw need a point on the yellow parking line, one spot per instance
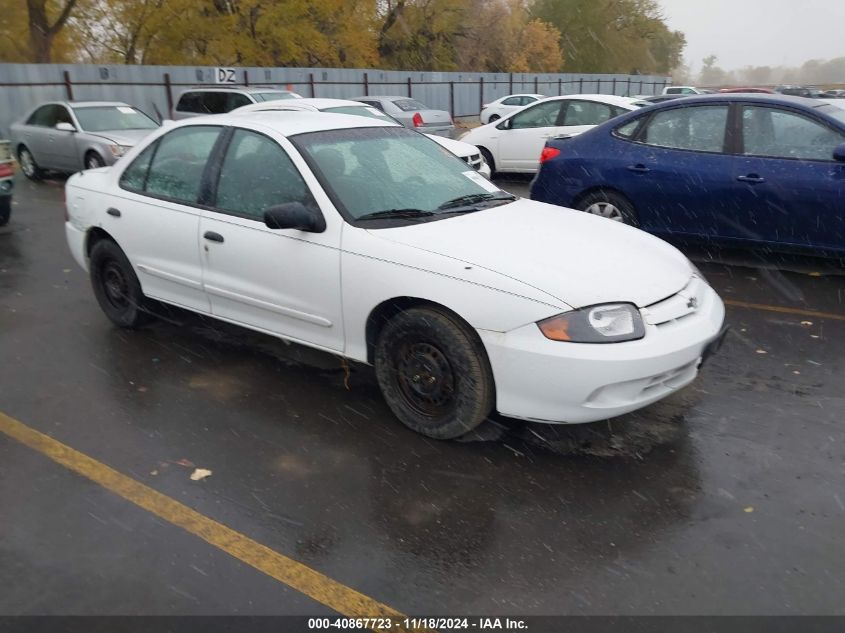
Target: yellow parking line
(785, 310)
(313, 584)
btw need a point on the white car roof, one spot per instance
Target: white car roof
(290, 122)
(313, 104)
(608, 99)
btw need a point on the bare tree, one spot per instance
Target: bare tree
(41, 32)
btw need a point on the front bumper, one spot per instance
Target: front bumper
(76, 243)
(569, 383)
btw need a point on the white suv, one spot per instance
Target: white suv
(223, 99)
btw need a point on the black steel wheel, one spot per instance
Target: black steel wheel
(116, 287)
(434, 373)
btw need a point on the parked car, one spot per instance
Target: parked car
(466, 152)
(683, 90)
(7, 182)
(68, 136)
(482, 300)
(835, 94)
(754, 169)
(514, 143)
(658, 98)
(495, 110)
(202, 100)
(411, 113)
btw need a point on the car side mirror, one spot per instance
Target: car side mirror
(65, 127)
(839, 153)
(294, 215)
(504, 125)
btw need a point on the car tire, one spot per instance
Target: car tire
(488, 158)
(433, 373)
(610, 205)
(116, 286)
(5, 209)
(94, 161)
(28, 165)
(493, 117)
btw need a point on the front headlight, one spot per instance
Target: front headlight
(609, 323)
(119, 150)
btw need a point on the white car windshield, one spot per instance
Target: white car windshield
(395, 173)
(102, 118)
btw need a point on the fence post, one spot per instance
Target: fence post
(452, 99)
(510, 84)
(409, 87)
(168, 89)
(628, 94)
(580, 85)
(598, 86)
(614, 85)
(311, 84)
(559, 86)
(480, 94)
(68, 86)
(366, 84)
(536, 86)
(246, 77)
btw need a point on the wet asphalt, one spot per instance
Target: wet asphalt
(726, 498)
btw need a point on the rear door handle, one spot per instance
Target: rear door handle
(753, 179)
(211, 236)
(638, 169)
(114, 212)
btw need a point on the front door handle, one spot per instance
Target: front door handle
(639, 169)
(114, 212)
(753, 179)
(211, 236)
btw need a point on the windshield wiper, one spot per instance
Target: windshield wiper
(475, 198)
(389, 214)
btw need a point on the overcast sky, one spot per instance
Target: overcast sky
(758, 32)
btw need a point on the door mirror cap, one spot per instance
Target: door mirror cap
(294, 215)
(504, 125)
(839, 153)
(65, 127)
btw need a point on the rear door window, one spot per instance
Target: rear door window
(698, 128)
(45, 116)
(236, 100)
(179, 162)
(587, 113)
(189, 102)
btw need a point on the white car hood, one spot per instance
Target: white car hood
(458, 148)
(579, 259)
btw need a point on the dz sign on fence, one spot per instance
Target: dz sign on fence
(224, 76)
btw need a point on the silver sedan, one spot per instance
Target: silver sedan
(72, 136)
(413, 114)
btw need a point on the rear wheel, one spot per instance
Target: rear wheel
(434, 373)
(29, 167)
(116, 287)
(610, 205)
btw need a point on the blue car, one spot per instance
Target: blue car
(736, 168)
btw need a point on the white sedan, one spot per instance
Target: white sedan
(466, 152)
(514, 143)
(370, 241)
(499, 108)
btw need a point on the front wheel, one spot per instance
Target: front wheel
(610, 205)
(434, 373)
(94, 161)
(493, 117)
(116, 286)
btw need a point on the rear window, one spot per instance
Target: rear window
(274, 95)
(407, 105)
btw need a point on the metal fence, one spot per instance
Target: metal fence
(155, 89)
